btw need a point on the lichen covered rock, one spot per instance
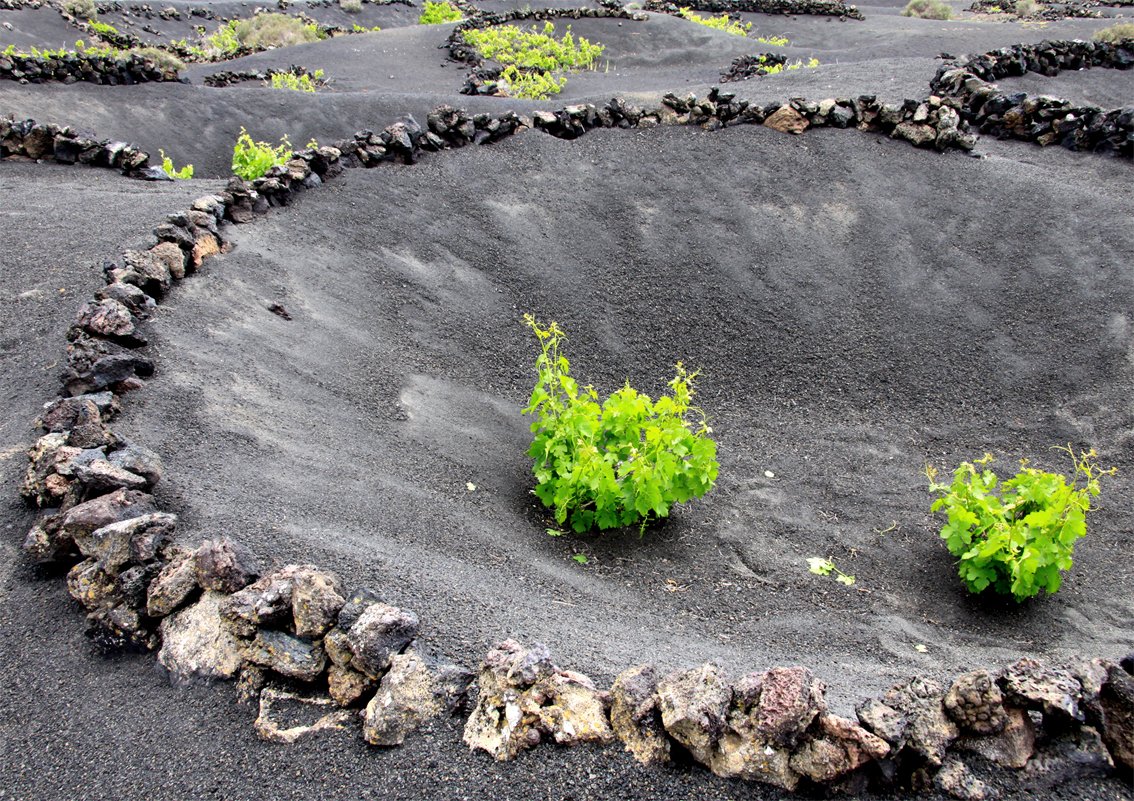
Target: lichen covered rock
(412, 692)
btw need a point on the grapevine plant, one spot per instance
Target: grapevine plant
(623, 462)
(1017, 535)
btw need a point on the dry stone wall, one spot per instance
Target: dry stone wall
(68, 68)
(212, 611)
(821, 8)
(1043, 120)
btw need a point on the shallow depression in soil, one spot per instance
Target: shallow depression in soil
(852, 318)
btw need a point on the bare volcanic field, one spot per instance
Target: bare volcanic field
(858, 309)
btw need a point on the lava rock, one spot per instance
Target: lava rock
(289, 656)
(694, 704)
(976, 703)
(635, 715)
(225, 565)
(195, 644)
(412, 692)
(174, 586)
(380, 632)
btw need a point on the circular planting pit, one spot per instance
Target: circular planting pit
(338, 383)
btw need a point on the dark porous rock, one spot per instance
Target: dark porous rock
(911, 718)
(182, 236)
(412, 692)
(955, 779)
(46, 543)
(1072, 755)
(524, 699)
(43, 482)
(96, 364)
(225, 565)
(917, 134)
(380, 632)
(210, 204)
(265, 602)
(147, 271)
(172, 256)
(766, 719)
(60, 415)
(87, 428)
(976, 703)
(249, 683)
(82, 520)
(1010, 747)
(101, 476)
(286, 717)
(837, 748)
(132, 297)
(289, 656)
(133, 583)
(196, 645)
(635, 715)
(116, 545)
(110, 319)
(347, 686)
(111, 620)
(140, 461)
(790, 698)
(1056, 693)
(337, 646)
(316, 603)
(92, 586)
(694, 705)
(174, 586)
(1117, 700)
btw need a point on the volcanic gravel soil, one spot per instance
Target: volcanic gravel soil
(857, 308)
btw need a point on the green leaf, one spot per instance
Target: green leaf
(818, 564)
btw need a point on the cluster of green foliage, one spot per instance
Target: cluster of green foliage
(721, 23)
(162, 60)
(1015, 536)
(438, 12)
(79, 9)
(351, 6)
(299, 83)
(778, 41)
(623, 462)
(360, 29)
(250, 160)
(825, 567)
(103, 29)
(789, 65)
(532, 58)
(1118, 32)
(511, 46)
(531, 84)
(928, 9)
(167, 165)
(1027, 8)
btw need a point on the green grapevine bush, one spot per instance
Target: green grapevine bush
(1015, 536)
(532, 60)
(721, 23)
(438, 12)
(250, 160)
(624, 462)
